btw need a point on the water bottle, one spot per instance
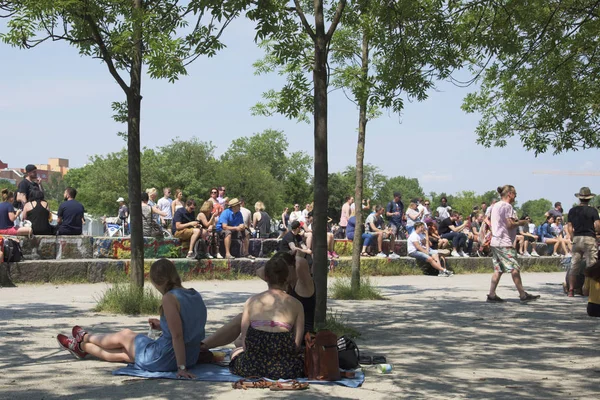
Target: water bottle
(384, 368)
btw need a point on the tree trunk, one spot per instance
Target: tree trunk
(134, 103)
(320, 262)
(360, 156)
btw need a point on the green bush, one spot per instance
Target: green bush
(338, 325)
(342, 290)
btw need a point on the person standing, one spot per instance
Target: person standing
(443, 210)
(583, 224)
(344, 216)
(30, 182)
(504, 255)
(123, 215)
(394, 211)
(164, 205)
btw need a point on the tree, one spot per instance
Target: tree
(408, 187)
(125, 35)
(538, 62)
(536, 209)
(287, 28)
(6, 184)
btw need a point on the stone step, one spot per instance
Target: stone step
(95, 270)
(85, 247)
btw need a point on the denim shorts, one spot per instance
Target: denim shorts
(419, 255)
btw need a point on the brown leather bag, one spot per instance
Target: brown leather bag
(321, 356)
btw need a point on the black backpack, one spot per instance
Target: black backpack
(348, 353)
(12, 251)
(200, 249)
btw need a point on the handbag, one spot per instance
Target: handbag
(348, 353)
(321, 360)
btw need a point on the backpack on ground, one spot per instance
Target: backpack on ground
(321, 360)
(348, 353)
(12, 250)
(200, 249)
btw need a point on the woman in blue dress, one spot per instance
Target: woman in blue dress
(182, 321)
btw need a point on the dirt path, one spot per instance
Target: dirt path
(442, 338)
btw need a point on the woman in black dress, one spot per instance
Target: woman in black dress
(38, 213)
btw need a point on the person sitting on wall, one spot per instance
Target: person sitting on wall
(231, 225)
(185, 227)
(38, 213)
(70, 214)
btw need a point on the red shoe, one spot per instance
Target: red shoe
(335, 255)
(78, 333)
(70, 344)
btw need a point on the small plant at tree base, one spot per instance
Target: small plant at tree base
(338, 325)
(124, 298)
(342, 290)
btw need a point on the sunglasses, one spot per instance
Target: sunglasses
(213, 192)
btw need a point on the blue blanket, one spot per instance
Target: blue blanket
(216, 373)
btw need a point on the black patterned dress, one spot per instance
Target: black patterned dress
(270, 355)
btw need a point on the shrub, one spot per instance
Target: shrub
(342, 290)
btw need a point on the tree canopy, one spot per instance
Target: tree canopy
(539, 72)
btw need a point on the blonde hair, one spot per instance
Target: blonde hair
(151, 191)
(163, 273)
(505, 190)
(7, 194)
(259, 206)
(207, 206)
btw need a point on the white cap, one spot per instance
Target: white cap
(120, 199)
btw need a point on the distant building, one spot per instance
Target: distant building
(55, 166)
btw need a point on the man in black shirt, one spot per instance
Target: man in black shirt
(292, 242)
(447, 229)
(27, 184)
(583, 224)
(70, 214)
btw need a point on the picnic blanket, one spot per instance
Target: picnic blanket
(217, 373)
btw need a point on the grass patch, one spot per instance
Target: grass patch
(125, 298)
(337, 324)
(342, 290)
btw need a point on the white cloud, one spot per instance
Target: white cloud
(433, 176)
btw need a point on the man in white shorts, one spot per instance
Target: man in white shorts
(418, 247)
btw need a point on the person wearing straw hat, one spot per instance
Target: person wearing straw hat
(231, 225)
(583, 225)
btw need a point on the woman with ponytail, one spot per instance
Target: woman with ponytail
(182, 321)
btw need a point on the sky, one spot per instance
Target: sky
(56, 103)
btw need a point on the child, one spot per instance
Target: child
(182, 320)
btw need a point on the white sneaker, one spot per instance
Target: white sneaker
(526, 254)
(454, 254)
(534, 254)
(393, 256)
(555, 255)
(568, 255)
(463, 254)
(381, 255)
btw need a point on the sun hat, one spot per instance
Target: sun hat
(234, 202)
(585, 193)
(120, 199)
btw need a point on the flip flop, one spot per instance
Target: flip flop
(293, 385)
(249, 256)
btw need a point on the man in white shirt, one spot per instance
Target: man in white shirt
(418, 247)
(246, 214)
(164, 205)
(504, 255)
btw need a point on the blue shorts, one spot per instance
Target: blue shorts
(419, 255)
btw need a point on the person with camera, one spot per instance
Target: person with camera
(185, 226)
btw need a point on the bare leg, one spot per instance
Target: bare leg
(226, 334)
(227, 242)
(380, 242)
(495, 280)
(392, 243)
(24, 231)
(308, 236)
(435, 263)
(246, 243)
(110, 355)
(516, 276)
(194, 238)
(330, 242)
(123, 340)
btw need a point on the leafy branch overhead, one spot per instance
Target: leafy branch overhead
(539, 66)
(173, 35)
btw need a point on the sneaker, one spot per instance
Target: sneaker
(495, 299)
(534, 254)
(393, 256)
(70, 344)
(454, 254)
(208, 256)
(335, 255)
(529, 297)
(381, 255)
(445, 273)
(568, 255)
(219, 256)
(78, 333)
(526, 254)
(555, 255)
(190, 255)
(463, 254)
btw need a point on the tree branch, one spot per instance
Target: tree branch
(105, 54)
(336, 20)
(305, 23)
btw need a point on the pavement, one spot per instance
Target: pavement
(443, 340)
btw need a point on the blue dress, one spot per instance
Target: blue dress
(158, 355)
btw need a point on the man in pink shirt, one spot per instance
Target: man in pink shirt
(504, 256)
